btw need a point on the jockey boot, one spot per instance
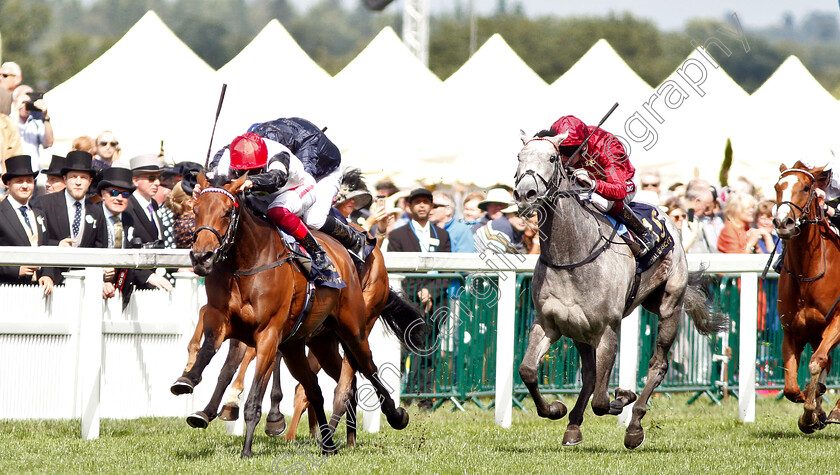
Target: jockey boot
(645, 238)
(321, 263)
(350, 237)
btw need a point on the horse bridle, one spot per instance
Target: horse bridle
(801, 221)
(226, 242)
(559, 167)
(803, 210)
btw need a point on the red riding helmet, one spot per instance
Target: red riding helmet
(576, 128)
(248, 151)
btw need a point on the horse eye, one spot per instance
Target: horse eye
(552, 158)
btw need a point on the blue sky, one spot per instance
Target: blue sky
(668, 14)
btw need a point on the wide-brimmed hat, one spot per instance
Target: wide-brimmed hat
(19, 165)
(496, 195)
(78, 161)
(146, 163)
(56, 164)
(361, 198)
(116, 177)
(419, 192)
(511, 209)
(189, 175)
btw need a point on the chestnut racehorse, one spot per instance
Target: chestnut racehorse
(254, 294)
(809, 289)
(403, 318)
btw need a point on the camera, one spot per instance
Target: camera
(33, 96)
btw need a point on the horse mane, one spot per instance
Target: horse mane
(544, 133)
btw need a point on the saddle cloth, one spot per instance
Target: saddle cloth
(664, 241)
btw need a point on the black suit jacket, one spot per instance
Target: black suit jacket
(143, 227)
(403, 239)
(54, 208)
(13, 234)
(135, 277)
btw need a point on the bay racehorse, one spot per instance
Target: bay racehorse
(583, 286)
(255, 292)
(400, 316)
(809, 289)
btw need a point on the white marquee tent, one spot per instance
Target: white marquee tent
(699, 107)
(271, 77)
(791, 116)
(143, 89)
(486, 102)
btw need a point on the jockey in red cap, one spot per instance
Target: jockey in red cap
(278, 180)
(603, 166)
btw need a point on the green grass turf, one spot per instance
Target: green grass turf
(680, 439)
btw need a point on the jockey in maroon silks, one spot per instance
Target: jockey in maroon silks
(604, 166)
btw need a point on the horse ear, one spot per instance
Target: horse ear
(559, 138)
(236, 185)
(202, 180)
(523, 136)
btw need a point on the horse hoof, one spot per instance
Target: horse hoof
(351, 441)
(556, 410)
(181, 386)
(572, 436)
(805, 427)
(821, 389)
(797, 397)
(632, 440)
(198, 420)
(229, 413)
(276, 428)
(834, 417)
(400, 419)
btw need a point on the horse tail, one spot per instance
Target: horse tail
(698, 305)
(406, 321)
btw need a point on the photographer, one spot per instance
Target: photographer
(33, 123)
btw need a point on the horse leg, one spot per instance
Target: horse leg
(295, 354)
(201, 419)
(538, 345)
(669, 324)
(604, 361)
(230, 409)
(362, 360)
(212, 343)
(325, 350)
(193, 347)
(791, 352)
(819, 363)
(300, 402)
(275, 422)
(834, 416)
(301, 405)
(266, 356)
(573, 436)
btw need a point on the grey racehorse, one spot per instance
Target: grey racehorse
(582, 288)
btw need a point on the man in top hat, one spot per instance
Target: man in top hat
(21, 225)
(142, 207)
(55, 180)
(72, 220)
(115, 189)
(497, 200)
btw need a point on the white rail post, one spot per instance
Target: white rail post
(506, 309)
(73, 286)
(386, 356)
(747, 328)
(184, 298)
(628, 366)
(90, 348)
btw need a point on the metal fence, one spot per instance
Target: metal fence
(461, 365)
